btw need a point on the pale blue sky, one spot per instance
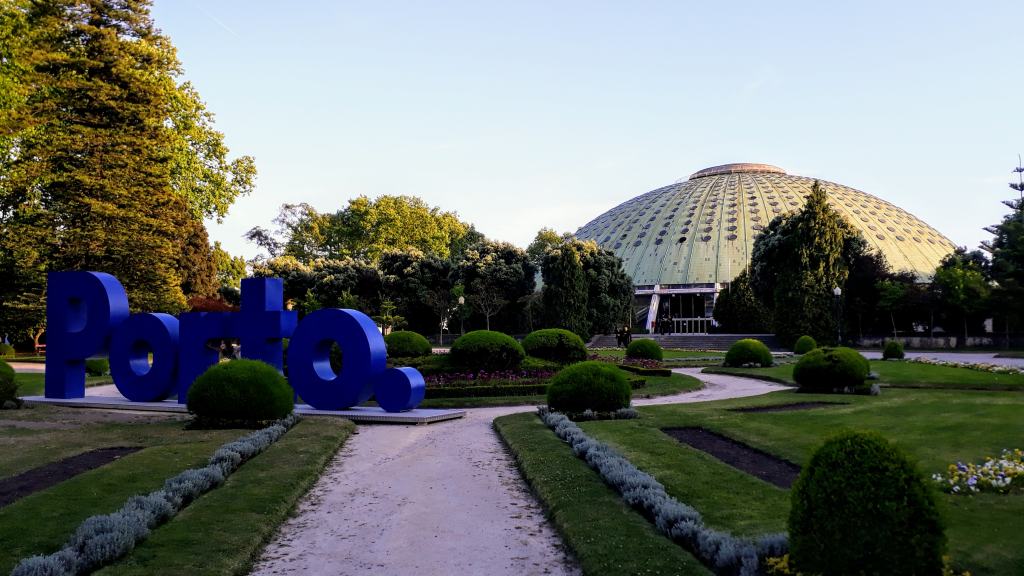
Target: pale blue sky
(519, 115)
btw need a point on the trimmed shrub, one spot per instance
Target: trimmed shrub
(831, 370)
(748, 351)
(487, 350)
(8, 387)
(407, 344)
(893, 350)
(860, 506)
(804, 344)
(644, 349)
(597, 386)
(6, 350)
(97, 367)
(246, 392)
(555, 344)
(652, 372)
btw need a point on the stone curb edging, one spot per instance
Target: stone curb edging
(721, 551)
(100, 540)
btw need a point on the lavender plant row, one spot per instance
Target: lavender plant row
(100, 540)
(723, 552)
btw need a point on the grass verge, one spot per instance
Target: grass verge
(607, 537)
(656, 386)
(32, 383)
(899, 375)
(224, 531)
(936, 427)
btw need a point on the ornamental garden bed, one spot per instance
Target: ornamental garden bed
(42, 477)
(757, 463)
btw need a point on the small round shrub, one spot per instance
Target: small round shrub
(748, 351)
(831, 369)
(8, 387)
(406, 344)
(860, 506)
(246, 392)
(597, 386)
(487, 350)
(6, 350)
(97, 366)
(804, 344)
(893, 350)
(555, 344)
(644, 349)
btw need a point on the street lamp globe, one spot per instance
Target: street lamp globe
(837, 291)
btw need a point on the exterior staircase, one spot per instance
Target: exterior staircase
(690, 341)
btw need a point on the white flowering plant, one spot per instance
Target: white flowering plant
(1001, 475)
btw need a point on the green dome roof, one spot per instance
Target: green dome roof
(702, 231)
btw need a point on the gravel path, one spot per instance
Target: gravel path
(439, 499)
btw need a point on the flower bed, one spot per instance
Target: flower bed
(720, 551)
(979, 366)
(1002, 475)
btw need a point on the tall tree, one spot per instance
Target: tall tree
(737, 310)
(962, 288)
(1007, 250)
(565, 289)
(797, 262)
(230, 269)
(609, 289)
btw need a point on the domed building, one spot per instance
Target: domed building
(684, 242)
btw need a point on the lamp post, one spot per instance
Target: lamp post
(462, 302)
(837, 292)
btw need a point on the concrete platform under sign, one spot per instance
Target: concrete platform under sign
(360, 414)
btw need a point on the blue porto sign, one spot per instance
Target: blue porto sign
(87, 315)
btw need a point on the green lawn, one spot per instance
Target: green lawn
(669, 353)
(232, 521)
(936, 427)
(607, 537)
(656, 386)
(900, 374)
(32, 383)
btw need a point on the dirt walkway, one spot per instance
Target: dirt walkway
(439, 499)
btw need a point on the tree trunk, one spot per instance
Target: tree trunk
(965, 331)
(488, 319)
(892, 319)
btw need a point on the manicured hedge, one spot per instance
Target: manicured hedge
(555, 344)
(597, 386)
(8, 387)
(831, 370)
(245, 392)
(407, 344)
(486, 350)
(644, 349)
(97, 366)
(6, 350)
(893, 350)
(487, 391)
(860, 506)
(804, 344)
(748, 351)
(651, 372)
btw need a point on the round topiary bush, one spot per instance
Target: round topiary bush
(246, 392)
(597, 386)
(97, 366)
(555, 344)
(831, 369)
(893, 350)
(748, 351)
(487, 350)
(644, 349)
(804, 344)
(8, 388)
(6, 350)
(860, 506)
(407, 344)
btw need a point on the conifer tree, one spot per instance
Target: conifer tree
(565, 290)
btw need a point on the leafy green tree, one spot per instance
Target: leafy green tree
(565, 289)
(546, 239)
(365, 230)
(609, 289)
(737, 310)
(410, 279)
(797, 262)
(496, 276)
(893, 297)
(962, 288)
(1007, 250)
(230, 269)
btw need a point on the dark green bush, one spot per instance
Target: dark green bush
(8, 387)
(6, 350)
(245, 392)
(97, 367)
(644, 349)
(804, 344)
(405, 344)
(597, 386)
(893, 350)
(555, 344)
(860, 506)
(831, 369)
(653, 372)
(486, 350)
(748, 351)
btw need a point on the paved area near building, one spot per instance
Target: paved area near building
(971, 357)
